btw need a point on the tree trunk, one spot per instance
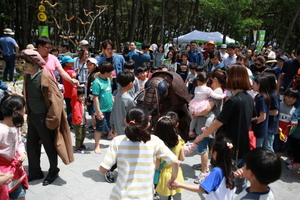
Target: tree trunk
(24, 23)
(135, 9)
(290, 28)
(116, 34)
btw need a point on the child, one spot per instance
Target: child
(200, 101)
(103, 101)
(183, 71)
(123, 102)
(154, 69)
(163, 68)
(166, 130)
(135, 153)
(142, 71)
(92, 66)
(190, 78)
(135, 90)
(219, 184)
(285, 115)
(12, 150)
(68, 63)
(262, 168)
(78, 118)
(262, 102)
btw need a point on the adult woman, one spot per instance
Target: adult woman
(159, 57)
(218, 81)
(259, 65)
(185, 57)
(80, 66)
(170, 61)
(236, 116)
(188, 47)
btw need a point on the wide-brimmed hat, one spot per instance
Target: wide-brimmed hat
(93, 60)
(30, 46)
(210, 42)
(8, 31)
(67, 59)
(34, 57)
(271, 59)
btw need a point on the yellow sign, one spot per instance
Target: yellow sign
(42, 8)
(42, 16)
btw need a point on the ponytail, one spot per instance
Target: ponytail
(11, 106)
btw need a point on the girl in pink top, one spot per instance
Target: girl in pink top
(200, 101)
(12, 151)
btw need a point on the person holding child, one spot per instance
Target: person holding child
(137, 165)
(12, 150)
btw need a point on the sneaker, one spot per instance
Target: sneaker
(294, 166)
(187, 149)
(200, 178)
(156, 196)
(109, 177)
(192, 134)
(79, 151)
(83, 147)
(197, 166)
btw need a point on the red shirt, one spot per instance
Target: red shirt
(67, 85)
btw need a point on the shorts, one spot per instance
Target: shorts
(18, 192)
(90, 109)
(202, 146)
(103, 126)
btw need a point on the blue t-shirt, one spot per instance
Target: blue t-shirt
(289, 69)
(8, 45)
(274, 120)
(139, 59)
(261, 129)
(102, 89)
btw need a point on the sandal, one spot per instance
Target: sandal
(192, 134)
(197, 166)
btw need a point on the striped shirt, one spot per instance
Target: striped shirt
(136, 166)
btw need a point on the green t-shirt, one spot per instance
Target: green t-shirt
(102, 89)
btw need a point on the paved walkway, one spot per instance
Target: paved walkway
(81, 179)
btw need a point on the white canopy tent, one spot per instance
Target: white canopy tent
(200, 36)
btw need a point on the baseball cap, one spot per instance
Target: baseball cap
(223, 46)
(93, 60)
(67, 59)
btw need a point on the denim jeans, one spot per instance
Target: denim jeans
(103, 126)
(9, 66)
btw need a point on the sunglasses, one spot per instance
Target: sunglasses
(257, 64)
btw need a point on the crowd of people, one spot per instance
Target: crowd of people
(233, 91)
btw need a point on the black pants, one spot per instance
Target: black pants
(295, 144)
(37, 130)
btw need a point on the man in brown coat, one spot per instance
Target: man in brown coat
(46, 119)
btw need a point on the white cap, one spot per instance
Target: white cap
(93, 60)
(223, 46)
(83, 42)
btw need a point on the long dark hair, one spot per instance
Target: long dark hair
(264, 87)
(166, 130)
(10, 106)
(137, 119)
(173, 60)
(224, 148)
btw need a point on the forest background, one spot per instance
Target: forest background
(153, 20)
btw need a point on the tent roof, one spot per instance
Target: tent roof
(217, 37)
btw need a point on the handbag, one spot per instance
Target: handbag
(157, 172)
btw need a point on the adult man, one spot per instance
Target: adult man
(280, 61)
(231, 59)
(195, 56)
(9, 48)
(84, 44)
(167, 46)
(288, 71)
(141, 57)
(248, 56)
(44, 47)
(126, 48)
(65, 50)
(132, 51)
(47, 123)
(108, 55)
